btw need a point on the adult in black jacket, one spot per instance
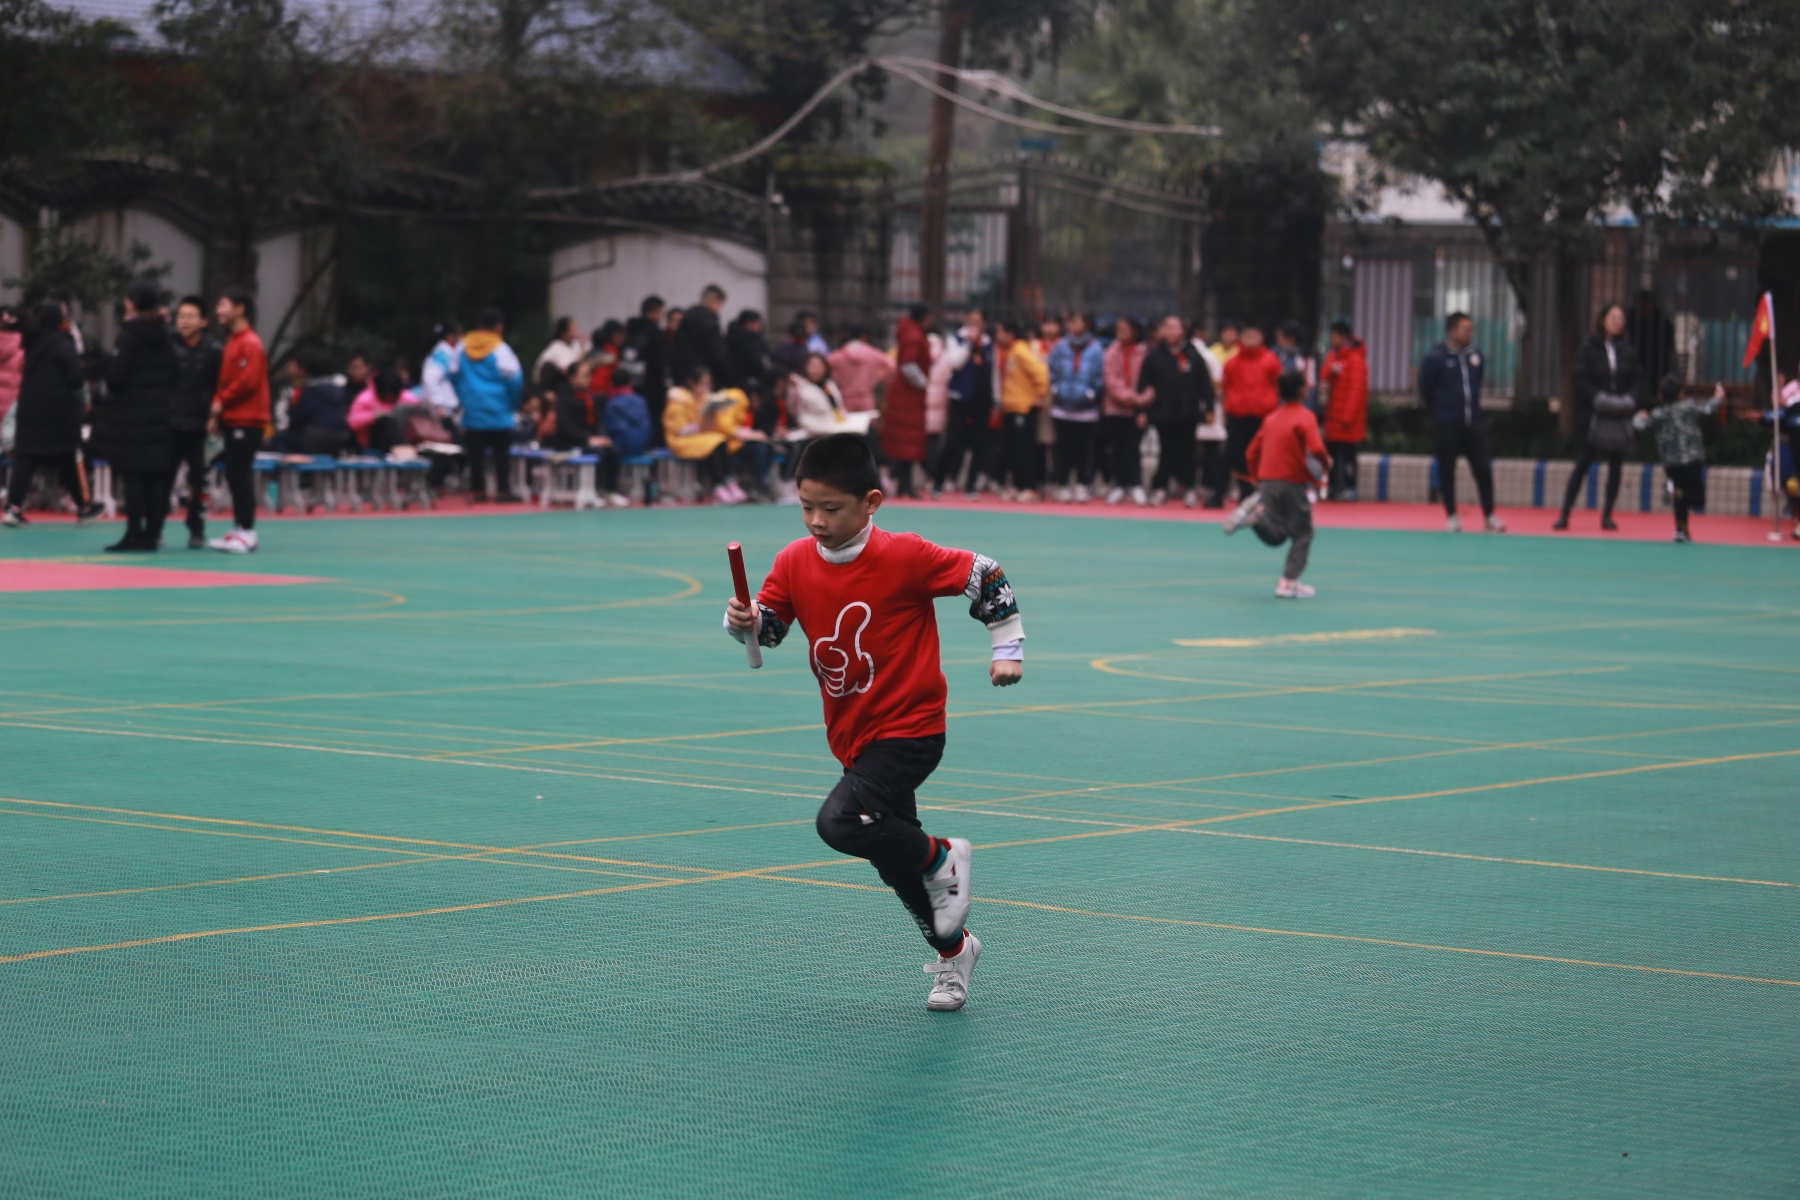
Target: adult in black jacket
(1607, 381)
(1183, 397)
(644, 334)
(752, 367)
(141, 377)
(48, 411)
(700, 342)
(197, 357)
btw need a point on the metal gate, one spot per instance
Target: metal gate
(1383, 319)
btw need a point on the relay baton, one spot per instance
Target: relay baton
(752, 651)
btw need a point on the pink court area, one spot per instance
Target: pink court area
(34, 575)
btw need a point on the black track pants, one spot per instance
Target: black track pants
(872, 813)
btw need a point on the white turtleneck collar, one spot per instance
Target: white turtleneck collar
(847, 552)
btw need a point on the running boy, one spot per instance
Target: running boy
(1286, 457)
(1681, 446)
(864, 599)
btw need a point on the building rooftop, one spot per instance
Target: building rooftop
(651, 48)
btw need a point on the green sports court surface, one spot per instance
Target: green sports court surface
(485, 868)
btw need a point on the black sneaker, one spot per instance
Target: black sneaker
(89, 512)
(128, 545)
(196, 541)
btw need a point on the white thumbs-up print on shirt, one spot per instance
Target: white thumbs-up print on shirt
(839, 661)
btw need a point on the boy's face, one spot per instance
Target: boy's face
(834, 517)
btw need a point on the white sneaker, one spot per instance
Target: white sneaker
(1293, 589)
(1116, 496)
(1244, 513)
(618, 500)
(1496, 525)
(1192, 499)
(1138, 497)
(1453, 525)
(238, 541)
(1158, 498)
(1062, 495)
(951, 991)
(948, 888)
(1082, 495)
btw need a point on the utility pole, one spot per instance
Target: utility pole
(934, 203)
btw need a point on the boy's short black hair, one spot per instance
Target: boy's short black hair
(1342, 327)
(490, 319)
(1291, 385)
(842, 462)
(144, 295)
(1669, 390)
(194, 302)
(241, 297)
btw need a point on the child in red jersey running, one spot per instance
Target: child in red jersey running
(1286, 458)
(864, 599)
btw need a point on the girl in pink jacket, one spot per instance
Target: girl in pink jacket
(1122, 412)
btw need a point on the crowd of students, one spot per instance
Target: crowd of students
(1053, 410)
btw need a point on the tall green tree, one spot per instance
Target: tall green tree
(1190, 62)
(537, 96)
(1540, 117)
(53, 105)
(258, 111)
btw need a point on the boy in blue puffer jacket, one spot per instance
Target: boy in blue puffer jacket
(489, 384)
(1077, 384)
(627, 420)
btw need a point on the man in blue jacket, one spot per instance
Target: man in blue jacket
(489, 383)
(1077, 382)
(1450, 387)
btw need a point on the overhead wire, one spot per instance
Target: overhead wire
(907, 68)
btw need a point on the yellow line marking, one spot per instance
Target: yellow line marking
(1371, 941)
(400, 916)
(1105, 664)
(470, 762)
(387, 695)
(1302, 933)
(1305, 639)
(693, 587)
(651, 741)
(1523, 862)
(709, 877)
(173, 887)
(1461, 791)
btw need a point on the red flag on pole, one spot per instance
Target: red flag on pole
(1761, 328)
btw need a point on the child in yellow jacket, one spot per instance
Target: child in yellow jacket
(1022, 382)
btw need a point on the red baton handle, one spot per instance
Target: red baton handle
(741, 581)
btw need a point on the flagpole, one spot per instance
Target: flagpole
(1775, 422)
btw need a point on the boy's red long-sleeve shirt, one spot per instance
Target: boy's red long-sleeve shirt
(242, 394)
(1280, 447)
